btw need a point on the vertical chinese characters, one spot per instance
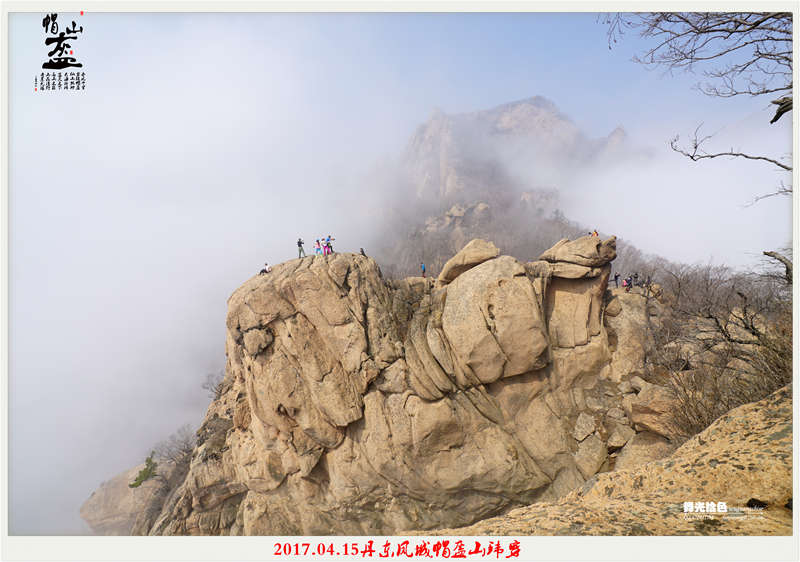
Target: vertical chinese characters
(58, 58)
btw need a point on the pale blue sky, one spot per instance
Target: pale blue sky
(205, 144)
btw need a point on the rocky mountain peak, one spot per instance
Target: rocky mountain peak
(436, 113)
(354, 405)
(618, 137)
(469, 152)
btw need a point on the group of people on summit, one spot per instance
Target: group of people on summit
(630, 281)
(322, 247)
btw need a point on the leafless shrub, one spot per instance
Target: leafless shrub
(631, 260)
(722, 339)
(704, 394)
(389, 272)
(213, 384)
(178, 447)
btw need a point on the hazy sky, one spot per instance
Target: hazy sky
(206, 144)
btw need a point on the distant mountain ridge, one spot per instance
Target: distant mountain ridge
(470, 152)
(493, 174)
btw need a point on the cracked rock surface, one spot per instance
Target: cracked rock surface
(745, 455)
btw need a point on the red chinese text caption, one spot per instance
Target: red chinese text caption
(470, 549)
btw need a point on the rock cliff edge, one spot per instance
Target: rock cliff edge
(352, 405)
(356, 405)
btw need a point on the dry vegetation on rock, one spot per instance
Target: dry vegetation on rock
(722, 338)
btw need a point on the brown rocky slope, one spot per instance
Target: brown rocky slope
(745, 455)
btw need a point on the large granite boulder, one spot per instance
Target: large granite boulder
(355, 405)
(494, 322)
(587, 251)
(650, 410)
(625, 324)
(349, 410)
(474, 253)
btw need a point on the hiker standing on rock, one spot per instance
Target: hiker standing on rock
(636, 279)
(423, 269)
(317, 248)
(301, 253)
(616, 279)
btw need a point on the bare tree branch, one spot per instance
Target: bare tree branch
(782, 190)
(786, 263)
(697, 154)
(690, 39)
(213, 384)
(753, 52)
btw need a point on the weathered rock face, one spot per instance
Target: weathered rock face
(353, 405)
(474, 253)
(745, 455)
(113, 508)
(588, 251)
(643, 448)
(625, 322)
